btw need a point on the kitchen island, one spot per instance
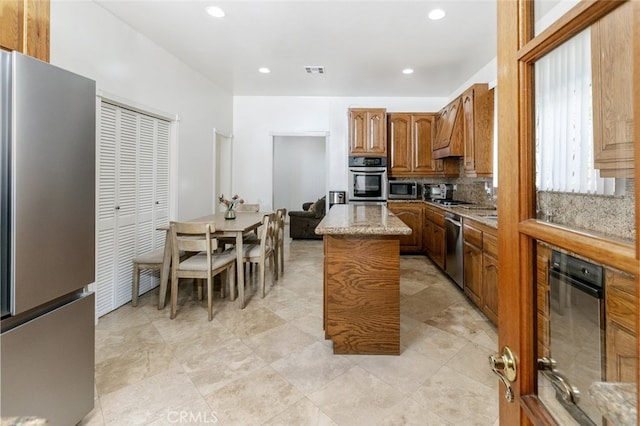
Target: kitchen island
(362, 278)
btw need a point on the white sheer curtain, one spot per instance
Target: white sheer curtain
(564, 124)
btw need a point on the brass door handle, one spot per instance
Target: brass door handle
(507, 363)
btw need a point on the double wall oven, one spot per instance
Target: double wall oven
(368, 181)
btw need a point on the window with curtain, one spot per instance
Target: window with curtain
(564, 124)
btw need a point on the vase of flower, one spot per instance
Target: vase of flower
(230, 213)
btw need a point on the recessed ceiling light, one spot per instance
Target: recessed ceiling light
(215, 11)
(407, 71)
(436, 14)
(264, 70)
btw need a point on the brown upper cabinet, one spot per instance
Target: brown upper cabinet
(448, 142)
(409, 138)
(24, 27)
(368, 131)
(477, 124)
(612, 63)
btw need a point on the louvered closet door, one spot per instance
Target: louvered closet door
(133, 178)
(107, 170)
(161, 205)
(153, 192)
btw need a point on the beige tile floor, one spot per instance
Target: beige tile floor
(270, 365)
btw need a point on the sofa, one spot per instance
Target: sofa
(302, 224)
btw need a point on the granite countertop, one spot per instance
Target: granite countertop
(473, 211)
(350, 219)
(616, 401)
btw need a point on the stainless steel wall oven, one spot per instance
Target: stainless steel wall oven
(368, 179)
(577, 338)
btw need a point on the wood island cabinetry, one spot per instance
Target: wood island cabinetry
(24, 27)
(362, 279)
(368, 131)
(411, 215)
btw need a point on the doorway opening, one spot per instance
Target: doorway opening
(223, 159)
(299, 169)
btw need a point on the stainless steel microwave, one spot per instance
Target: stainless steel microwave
(403, 190)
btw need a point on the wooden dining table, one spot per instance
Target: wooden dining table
(244, 223)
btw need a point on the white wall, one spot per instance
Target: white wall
(88, 40)
(256, 118)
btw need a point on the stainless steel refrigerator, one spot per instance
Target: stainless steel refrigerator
(47, 235)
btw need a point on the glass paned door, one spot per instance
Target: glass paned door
(567, 236)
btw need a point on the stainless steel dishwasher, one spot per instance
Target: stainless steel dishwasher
(453, 234)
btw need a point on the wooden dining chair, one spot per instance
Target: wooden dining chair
(147, 261)
(281, 216)
(263, 250)
(205, 264)
(244, 207)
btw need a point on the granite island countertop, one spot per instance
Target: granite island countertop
(358, 219)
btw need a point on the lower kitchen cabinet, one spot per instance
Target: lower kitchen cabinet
(543, 257)
(434, 237)
(411, 215)
(490, 276)
(472, 270)
(481, 267)
(621, 330)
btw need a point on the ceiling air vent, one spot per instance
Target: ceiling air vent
(314, 69)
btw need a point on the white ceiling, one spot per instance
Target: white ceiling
(364, 45)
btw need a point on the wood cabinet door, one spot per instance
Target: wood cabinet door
(473, 273)
(621, 300)
(469, 162)
(25, 27)
(621, 354)
(399, 140)
(357, 129)
(427, 231)
(490, 287)
(411, 215)
(439, 246)
(612, 57)
(376, 133)
(422, 126)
